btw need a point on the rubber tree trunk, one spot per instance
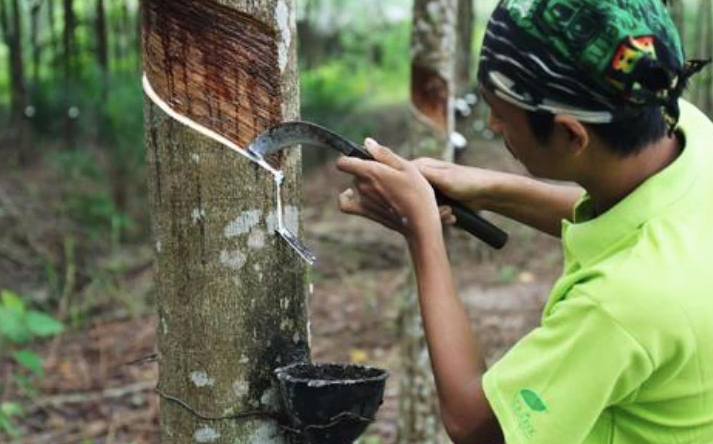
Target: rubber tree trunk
(54, 41)
(433, 44)
(465, 113)
(70, 23)
(35, 10)
(231, 294)
(678, 13)
(12, 33)
(102, 47)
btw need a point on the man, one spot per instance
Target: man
(584, 91)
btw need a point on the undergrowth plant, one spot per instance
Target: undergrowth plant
(19, 325)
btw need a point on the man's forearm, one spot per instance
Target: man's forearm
(532, 202)
(454, 351)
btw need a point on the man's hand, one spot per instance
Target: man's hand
(392, 192)
(469, 185)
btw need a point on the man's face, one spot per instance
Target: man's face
(511, 123)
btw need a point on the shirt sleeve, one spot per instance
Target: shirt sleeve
(554, 384)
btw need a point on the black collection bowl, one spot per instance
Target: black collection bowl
(331, 403)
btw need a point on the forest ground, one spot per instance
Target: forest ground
(98, 389)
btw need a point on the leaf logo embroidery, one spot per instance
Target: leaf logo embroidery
(533, 400)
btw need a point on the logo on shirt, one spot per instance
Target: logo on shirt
(527, 404)
(533, 400)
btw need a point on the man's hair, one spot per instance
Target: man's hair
(624, 137)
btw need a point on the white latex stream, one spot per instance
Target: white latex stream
(278, 176)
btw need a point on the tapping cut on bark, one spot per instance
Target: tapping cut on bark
(213, 64)
(429, 95)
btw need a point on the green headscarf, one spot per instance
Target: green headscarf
(598, 60)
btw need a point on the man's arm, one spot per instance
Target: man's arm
(537, 204)
(392, 192)
(453, 348)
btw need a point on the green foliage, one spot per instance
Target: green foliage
(19, 325)
(371, 71)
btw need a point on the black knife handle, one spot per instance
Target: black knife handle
(473, 223)
(466, 218)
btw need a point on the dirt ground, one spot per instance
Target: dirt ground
(100, 379)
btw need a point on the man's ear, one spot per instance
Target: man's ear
(575, 130)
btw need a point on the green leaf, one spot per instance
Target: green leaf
(42, 325)
(10, 409)
(30, 360)
(12, 301)
(11, 326)
(9, 428)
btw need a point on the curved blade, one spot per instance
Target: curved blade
(288, 134)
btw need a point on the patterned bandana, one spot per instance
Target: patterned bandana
(596, 60)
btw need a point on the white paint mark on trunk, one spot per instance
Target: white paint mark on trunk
(158, 246)
(201, 379)
(264, 432)
(198, 215)
(232, 259)
(206, 434)
(296, 338)
(282, 13)
(241, 388)
(246, 221)
(270, 398)
(195, 158)
(257, 239)
(286, 324)
(164, 326)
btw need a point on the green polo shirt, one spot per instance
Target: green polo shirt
(624, 353)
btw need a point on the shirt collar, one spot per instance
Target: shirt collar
(588, 236)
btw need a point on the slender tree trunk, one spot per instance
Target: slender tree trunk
(34, 40)
(69, 74)
(464, 115)
(230, 293)
(68, 37)
(102, 48)
(433, 44)
(678, 13)
(54, 41)
(12, 30)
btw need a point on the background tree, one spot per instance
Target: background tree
(231, 294)
(433, 85)
(10, 15)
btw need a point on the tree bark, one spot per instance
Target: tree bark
(102, 47)
(53, 35)
(230, 293)
(12, 33)
(68, 37)
(34, 42)
(433, 44)
(464, 114)
(678, 13)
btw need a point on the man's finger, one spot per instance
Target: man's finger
(356, 167)
(383, 154)
(350, 203)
